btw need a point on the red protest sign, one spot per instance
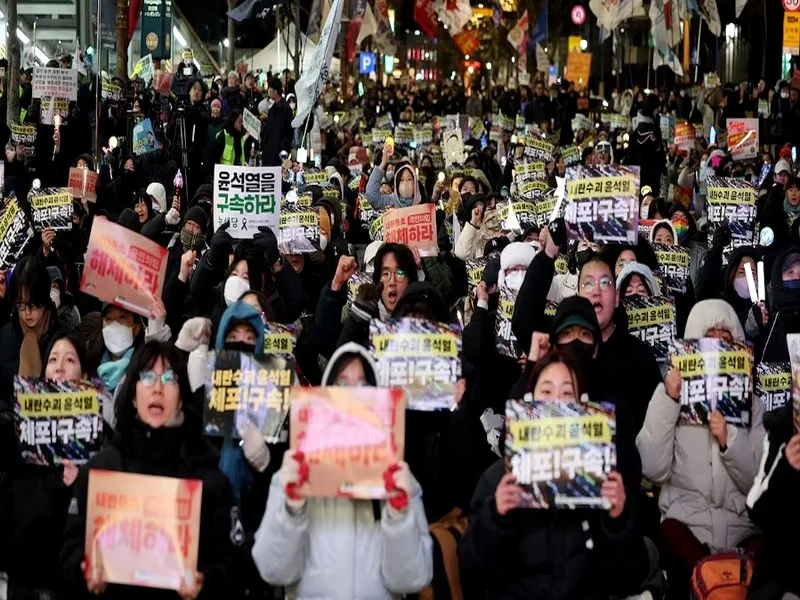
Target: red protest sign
(349, 437)
(82, 184)
(142, 530)
(414, 226)
(123, 267)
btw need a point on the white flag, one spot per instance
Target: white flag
(455, 14)
(708, 8)
(666, 17)
(611, 14)
(667, 58)
(516, 36)
(740, 4)
(368, 26)
(542, 62)
(77, 60)
(309, 86)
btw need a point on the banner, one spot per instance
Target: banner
(248, 197)
(773, 384)
(251, 124)
(715, 375)
(421, 356)
(652, 320)
(349, 437)
(299, 230)
(313, 79)
(731, 201)
(123, 267)
(742, 138)
(59, 420)
(560, 452)
(51, 208)
(579, 69)
(53, 82)
(414, 226)
(674, 265)
(603, 205)
(791, 33)
(142, 530)
(83, 184)
(15, 233)
(156, 28)
(685, 136)
(242, 388)
(25, 136)
(144, 139)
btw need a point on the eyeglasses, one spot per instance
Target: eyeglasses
(587, 285)
(148, 378)
(27, 306)
(399, 275)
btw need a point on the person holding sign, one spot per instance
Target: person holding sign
(524, 553)
(406, 188)
(231, 147)
(705, 473)
(158, 433)
(784, 307)
(372, 549)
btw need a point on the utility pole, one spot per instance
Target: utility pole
(297, 41)
(12, 109)
(231, 58)
(122, 38)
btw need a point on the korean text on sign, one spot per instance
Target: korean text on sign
(248, 197)
(52, 208)
(414, 226)
(55, 83)
(143, 530)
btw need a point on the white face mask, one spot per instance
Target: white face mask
(235, 286)
(117, 337)
(323, 242)
(785, 95)
(513, 281)
(55, 296)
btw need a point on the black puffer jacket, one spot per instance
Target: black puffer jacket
(784, 314)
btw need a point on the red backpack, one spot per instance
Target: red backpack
(724, 576)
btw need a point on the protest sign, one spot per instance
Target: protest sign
(579, 68)
(529, 171)
(475, 268)
(83, 184)
(538, 149)
(453, 147)
(685, 136)
(54, 82)
(123, 267)
(414, 226)
(358, 279)
(793, 343)
(731, 201)
(279, 339)
(421, 356)
(111, 92)
(560, 452)
(144, 69)
(315, 178)
(144, 140)
(59, 420)
(423, 135)
(715, 375)
(143, 530)
(603, 204)
(15, 233)
(251, 124)
(248, 197)
(349, 437)
(773, 386)
(674, 263)
(242, 389)
(571, 155)
(299, 230)
(25, 136)
(652, 320)
(667, 125)
(50, 107)
(742, 138)
(505, 340)
(51, 208)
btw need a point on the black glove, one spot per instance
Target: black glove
(722, 238)
(558, 231)
(221, 246)
(266, 241)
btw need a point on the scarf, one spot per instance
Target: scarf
(792, 212)
(383, 312)
(111, 371)
(30, 357)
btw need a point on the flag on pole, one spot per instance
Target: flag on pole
(455, 14)
(708, 8)
(518, 34)
(368, 27)
(740, 4)
(667, 58)
(384, 38)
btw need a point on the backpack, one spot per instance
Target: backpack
(724, 576)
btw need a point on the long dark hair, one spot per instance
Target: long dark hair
(263, 302)
(144, 358)
(77, 344)
(31, 275)
(558, 356)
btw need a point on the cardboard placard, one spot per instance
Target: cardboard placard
(349, 438)
(54, 82)
(51, 208)
(773, 384)
(685, 136)
(123, 267)
(251, 124)
(414, 226)
(248, 197)
(652, 320)
(143, 530)
(83, 184)
(144, 139)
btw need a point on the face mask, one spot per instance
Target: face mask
(740, 287)
(190, 240)
(794, 284)
(785, 96)
(514, 280)
(240, 347)
(323, 242)
(235, 286)
(117, 337)
(682, 229)
(581, 350)
(405, 189)
(55, 296)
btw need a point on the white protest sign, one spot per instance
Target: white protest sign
(144, 68)
(251, 124)
(742, 138)
(309, 87)
(248, 197)
(55, 83)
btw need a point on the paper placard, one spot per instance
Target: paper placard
(414, 226)
(251, 124)
(55, 83)
(51, 208)
(248, 197)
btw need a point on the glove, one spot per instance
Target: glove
(221, 246)
(266, 241)
(397, 480)
(755, 322)
(558, 231)
(255, 448)
(173, 217)
(194, 332)
(197, 367)
(293, 474)
(365, 306)
(722, 238)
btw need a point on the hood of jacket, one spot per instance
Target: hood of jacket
(783, 299)
(733, 264)
(345, 352)
(404, 201)
(713, 314)
(643, 271)
(422, 293)
(663, 223)
(241, 312)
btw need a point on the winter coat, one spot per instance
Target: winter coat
(277, 133)
(380, 201)
(546, 553)
(784, 311)
(343, 549)
(169, 452)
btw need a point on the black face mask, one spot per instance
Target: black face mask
(582, 351)
(240, 347)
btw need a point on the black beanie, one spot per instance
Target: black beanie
(129, 220)
(197, 215)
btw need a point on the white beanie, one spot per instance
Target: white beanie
(371, 252)
(662, 223)
(516, 254)
(159, 194)
(713, 314)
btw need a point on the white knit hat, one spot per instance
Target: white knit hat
(516, 254)
(713, 314)
(159, 194)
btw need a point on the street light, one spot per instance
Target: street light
(226, 42)
(584, 44)
(488, 66)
